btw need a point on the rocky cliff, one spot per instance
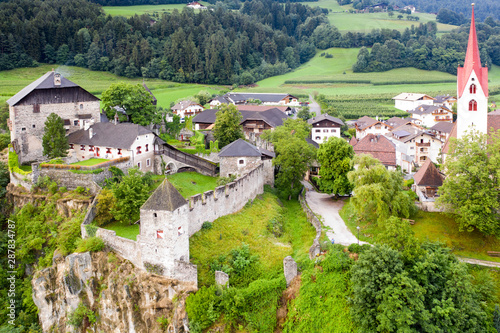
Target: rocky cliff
(121, 297)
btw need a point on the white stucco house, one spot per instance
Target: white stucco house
(409, 101)
(324, 127)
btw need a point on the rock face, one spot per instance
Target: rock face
(123, 298)
(290, 269)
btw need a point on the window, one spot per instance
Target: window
(318, 131)
(241, 161)
(81, 106)
(108, 150)
(91, 148)
(139, 165)
(82, 147)
(138, 150)
(159, 234)
(318, 138)
(147, 147)
(334, 131)
(179, 231)
(70, 146)
(155, 215)
(137, 139)
(76, 122)
(473, 105)
(119, 151)
(472, 88)
(325, 131)
(33, 126)
(36, 108)
(23, 129)
(148, 162)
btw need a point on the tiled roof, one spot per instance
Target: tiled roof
(411, 96)
(396, 121)
(365, 122)
(165, 197)
(247, 107)
(443, 126)
(182, 105)
(273, 116)
(428, 175)
(353, 141)
(325, 116)
(494, 121)
(121, 135)
(239, 148)
(427, 109)
(442, 98)
(379, 147)
(46, 81)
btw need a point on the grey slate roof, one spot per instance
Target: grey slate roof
(46, 81)
(237, 98)
(325, 116)
(442, 126)
(183, 105)
(312, 142)
(274, 117)
(165, 197)
(442, 98)
(239, 148)
(121, 135)
(426, 109)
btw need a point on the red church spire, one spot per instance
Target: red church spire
(472, 62)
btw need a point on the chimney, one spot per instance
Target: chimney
(86, 125)
(116, 118)
(376, 118)
(91, 133)
(57, 79)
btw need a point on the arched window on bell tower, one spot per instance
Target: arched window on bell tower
(473, 105)
(472, 88)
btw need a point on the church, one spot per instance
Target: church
(472, 94)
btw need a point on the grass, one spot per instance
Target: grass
(249, 226)
(434, 227)
(191, 183)
(122, 230)
(151, 10)
(26, 168)
(12, 81)
(90, 161)
(157, 180)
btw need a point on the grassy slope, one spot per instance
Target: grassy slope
(191, 183)
(12, 81)
(250, 226)
(435, 227)
(125, 231)
(128, 11)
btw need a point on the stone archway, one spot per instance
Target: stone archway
(170, 168)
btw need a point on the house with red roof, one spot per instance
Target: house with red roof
(379, 147)
(367, 125)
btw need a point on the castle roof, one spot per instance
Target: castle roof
(472, 63)
(46, 81)
(428, 175)
(165, 197)
(239, 148)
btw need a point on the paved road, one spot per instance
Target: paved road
(323, 204)
(313, 106)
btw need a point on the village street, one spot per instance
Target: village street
(322, 204)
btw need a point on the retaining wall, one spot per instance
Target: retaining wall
(315, 249)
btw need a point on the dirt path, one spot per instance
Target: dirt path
(322, 204)
(479, 262)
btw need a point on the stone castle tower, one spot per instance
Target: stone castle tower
(472, 89)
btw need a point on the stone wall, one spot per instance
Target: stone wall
(232, 165)
(224, 200)
(25, 181)
(127, 248)
(313, 219)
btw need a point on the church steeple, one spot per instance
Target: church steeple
(472, 89)
(472, 63)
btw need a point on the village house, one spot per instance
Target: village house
(366, 125)
(264, 98)
(442, 130)
(409, 101)
(430, 115)
(377, 146)
(427, 181)
(253, 122)
(196, 5)
(247, 107)
(445, 100)
(324, 127)
(187, 109)
(30, 108)
(111, 140)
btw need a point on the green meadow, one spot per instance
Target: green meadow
(12, 81)
(128, 11)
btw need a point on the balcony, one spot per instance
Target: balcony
(443, 119)
(419, 144)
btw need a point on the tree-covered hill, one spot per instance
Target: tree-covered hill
(211, 46)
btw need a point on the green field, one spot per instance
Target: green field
(12, 81)
(128, 11)
(91, 161)
(191, 183)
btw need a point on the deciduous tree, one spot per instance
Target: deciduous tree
(227, 126)
(130, 194)
(335, 157)
(471, 188)
(54, 141)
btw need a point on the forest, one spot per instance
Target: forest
(429, 52)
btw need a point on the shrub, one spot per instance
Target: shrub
(226, 180)
(55, 161)
(106, 203)
(4, 140)
(63, 189)
(43, 182)
(13, 162)
(91, 230)
(203, 308)
(76, 318)
(68, 233)
(275, 226)
(80, 190)
(53, 188)
(206, 225)
(92, 244)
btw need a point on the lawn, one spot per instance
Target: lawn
(152, 10)
(123, 230)
(90, 161)
(434, 227)
(191, 183)
(249, 226)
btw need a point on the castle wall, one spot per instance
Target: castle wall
(127, 248)
(27, 126)
(233, 165)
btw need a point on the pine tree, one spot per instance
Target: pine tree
(54, 141)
